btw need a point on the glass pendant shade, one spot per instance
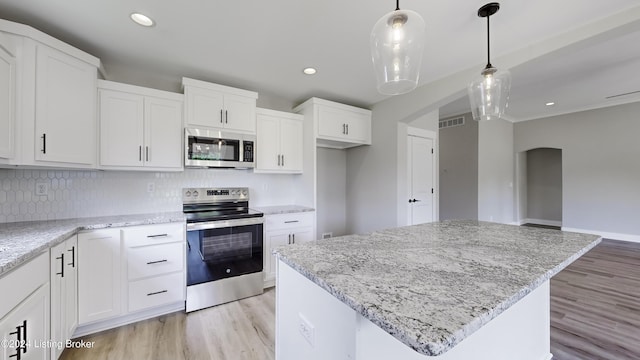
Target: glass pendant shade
(489, 94)
(397, 41)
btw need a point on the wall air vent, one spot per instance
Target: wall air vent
(457, 121)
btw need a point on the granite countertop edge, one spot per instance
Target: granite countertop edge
(49, 233)
(425, 347)
(283, 209)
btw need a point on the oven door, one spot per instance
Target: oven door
(223, 249)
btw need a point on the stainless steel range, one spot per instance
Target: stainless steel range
(224, 253)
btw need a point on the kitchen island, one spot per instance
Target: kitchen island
(450, 290)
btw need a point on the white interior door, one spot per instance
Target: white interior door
(421, 184)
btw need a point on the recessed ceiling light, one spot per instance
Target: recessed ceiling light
(142, 19)
(309, 71)
(550, 103)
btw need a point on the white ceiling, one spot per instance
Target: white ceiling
(264, 45)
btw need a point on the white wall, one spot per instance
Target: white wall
(97, 193)
(496, 171)
(332, 188)
(459, 170)
(601, 166)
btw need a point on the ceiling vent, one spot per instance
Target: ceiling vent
(458, 121)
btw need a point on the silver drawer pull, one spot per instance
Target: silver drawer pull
(157, 236)
(291, 221)
(157, 261)
(157, 292)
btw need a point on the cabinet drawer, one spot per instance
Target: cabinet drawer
(153, 234)
(156, 291)
(22, 281)
(287, 221)
(155, 260)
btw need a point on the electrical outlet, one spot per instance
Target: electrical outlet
(307, 330)
(151, 187)
(327, 235)
(42, 188)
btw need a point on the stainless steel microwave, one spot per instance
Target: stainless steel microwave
(220, 149)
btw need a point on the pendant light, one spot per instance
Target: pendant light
(489, 93)
(397, 40)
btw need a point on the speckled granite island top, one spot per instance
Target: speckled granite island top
(21, 241)
(432, 285)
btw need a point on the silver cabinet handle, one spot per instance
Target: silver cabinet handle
(157, 235)
(156, 262)
(291, 221)
(140, 153)
(289, 239)
(226, 116)
(278, 159)
(347, 129)
(147, 151)
(157, 292)
(221, 117)
(283, 160)
(344, 129)
(73, 256)
(61, 258)
(293, 236)
(44, 143)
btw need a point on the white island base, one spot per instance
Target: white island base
(312, 324)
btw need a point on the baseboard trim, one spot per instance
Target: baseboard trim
(541, 222)
(127, 319)
(606, 235)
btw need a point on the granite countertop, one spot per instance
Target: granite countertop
(432, 285)
(283, 209)
(22, 241)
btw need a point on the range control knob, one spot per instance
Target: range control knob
(188, 193)
(233, 192)
(245, 192)
(195, 193)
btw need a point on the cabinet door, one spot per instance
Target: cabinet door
(274, 239)
(31, 320)
(65, 108)
(268, 142)
(121, 128)
(163, 133)
(240, 113)
(99, 275)
(358, 127)
(58, 296)
(302, 235)
(291, 145)
(332, 122)
(7, 102)
(204, 107)
(71, 287)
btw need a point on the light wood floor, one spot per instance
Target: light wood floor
(595, 314)
(240, 330)
(595, 305)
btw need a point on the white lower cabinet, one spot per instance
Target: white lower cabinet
(99, 275)
(24, 311)
(284, 229)
(130, 274)
(64, 293)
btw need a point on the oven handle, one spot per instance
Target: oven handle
(224, 223)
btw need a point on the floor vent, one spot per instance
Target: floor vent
(451, 122)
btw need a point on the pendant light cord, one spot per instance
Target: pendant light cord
(397, 5)
(488, 45)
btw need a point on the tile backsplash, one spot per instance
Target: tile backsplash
(77, 193)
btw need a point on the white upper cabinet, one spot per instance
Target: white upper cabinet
(337, 125)
(216, 106)
(140, 128)
(279, 142)
(7, 96)
(52, 87)
(65, 108)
